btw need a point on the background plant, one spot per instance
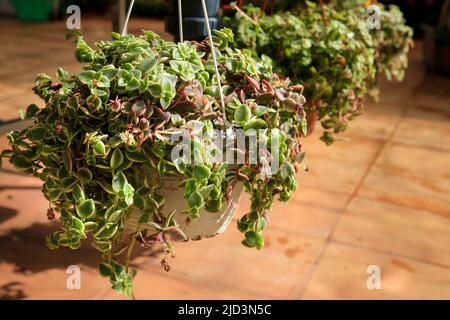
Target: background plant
(330, 51)
(391, 43)
(102, 142)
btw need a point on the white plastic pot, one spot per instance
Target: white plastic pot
(208, 224)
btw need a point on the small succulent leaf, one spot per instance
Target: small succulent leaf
(115, 216)
(107, 232)
(176, 234)
(105, 270)
(202, 172)
(119, 181)
(99, 148)
(86, 76)
(86, 209)
(116, 159)
(22, 163)
(85, 174)
(147, 65)
(255, 124)
(78, 193)
(195, 200)
(242, 114)
(287, 170)
(78, 224)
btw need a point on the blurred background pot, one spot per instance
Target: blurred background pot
(194, 24)
(193, 8)
(436, 49)
(311, 119)
(34, 10)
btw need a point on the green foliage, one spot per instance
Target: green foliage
(101, 142)
(329, 51)
(391, 42)
(121, 279)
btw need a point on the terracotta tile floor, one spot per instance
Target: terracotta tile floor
(381, 196)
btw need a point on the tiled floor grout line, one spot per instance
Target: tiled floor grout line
(298, 293)
(184, 277)
(399, 204)
(399, 255)
(415, 146)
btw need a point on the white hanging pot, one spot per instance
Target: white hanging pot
(207, 225)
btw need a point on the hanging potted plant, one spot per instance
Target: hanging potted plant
(391, 41)
(104, 145)
(330, 51)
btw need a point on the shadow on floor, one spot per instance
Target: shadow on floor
(6, 213)
(11, 291)
(26, 250)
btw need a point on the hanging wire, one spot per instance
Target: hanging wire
(125, 25)
(213, 53)
(180, 20)
(208, 28)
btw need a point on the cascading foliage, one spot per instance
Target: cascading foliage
(102, 142)
(391, 42)
(330, 51)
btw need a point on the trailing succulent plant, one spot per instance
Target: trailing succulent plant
(329, 51)
(391, 42)
(102, 143)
